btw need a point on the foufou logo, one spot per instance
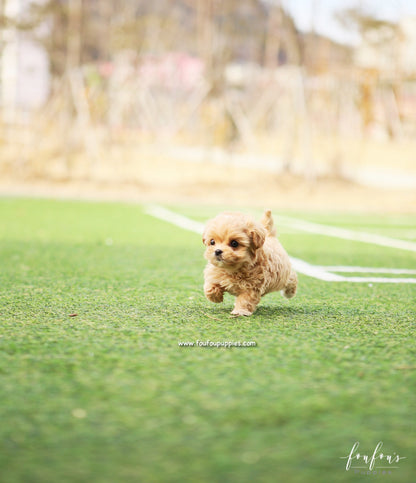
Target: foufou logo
(383, 460)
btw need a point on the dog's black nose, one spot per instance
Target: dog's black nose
(218, 252)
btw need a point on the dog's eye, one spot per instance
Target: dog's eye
(234, 243)
(212, 242)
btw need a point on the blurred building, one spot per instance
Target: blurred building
(24, 64)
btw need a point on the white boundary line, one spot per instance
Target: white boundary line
(315, 271)
(345, 269)
(174, 218)
(379, 280)
(346, 234)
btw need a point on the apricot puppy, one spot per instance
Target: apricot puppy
(246, 260)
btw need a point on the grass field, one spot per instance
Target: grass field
(108, 395)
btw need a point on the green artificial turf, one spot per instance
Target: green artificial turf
(107, 395)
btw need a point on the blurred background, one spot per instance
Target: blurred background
(301, 104)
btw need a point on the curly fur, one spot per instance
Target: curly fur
(256, 266)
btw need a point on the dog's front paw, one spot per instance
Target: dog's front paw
(246, 303)
(215, 297)
(241, 311)
(214, 294)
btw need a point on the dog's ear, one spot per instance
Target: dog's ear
(257, 236)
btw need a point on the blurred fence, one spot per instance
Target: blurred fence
(283, 117)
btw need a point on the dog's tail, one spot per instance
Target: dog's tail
(290, 289)
(267, 222)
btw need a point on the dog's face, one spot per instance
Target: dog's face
(232, 240)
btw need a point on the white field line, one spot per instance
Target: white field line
(321, 273)
(379, 280)
(174, 218)
(316, 272)
(344, 269)
(346, 234)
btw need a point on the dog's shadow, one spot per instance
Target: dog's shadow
(271, 312)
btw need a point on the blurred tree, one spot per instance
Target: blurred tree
(378, 62)
(81, 31)
(259, 31)
(367, 24)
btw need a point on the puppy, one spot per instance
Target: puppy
(246, 260)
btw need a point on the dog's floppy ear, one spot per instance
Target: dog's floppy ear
(257, 236)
